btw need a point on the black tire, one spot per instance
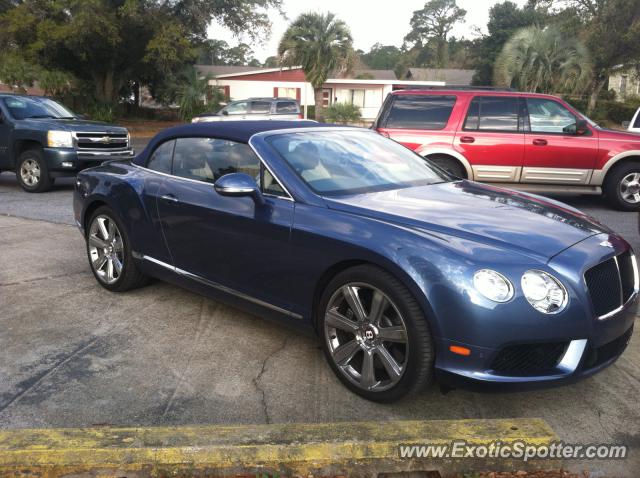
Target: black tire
(28, 182)
(418, 361)
(613, 186)
(449, 164)
(130, 277)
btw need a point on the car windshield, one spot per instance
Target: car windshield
(336, 163)
(24, 107)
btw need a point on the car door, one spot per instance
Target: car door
(226, 241)
(5, 133)
(492, 138)
(554, 153)
(238, 110)
(158, 167)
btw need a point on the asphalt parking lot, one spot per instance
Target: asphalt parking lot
(73, 354)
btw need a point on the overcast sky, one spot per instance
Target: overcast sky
(371, 21)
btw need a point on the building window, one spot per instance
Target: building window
(286, 93)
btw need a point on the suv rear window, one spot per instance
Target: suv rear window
(260, 107)
(420, 111)
(286, 107)
(492, 113)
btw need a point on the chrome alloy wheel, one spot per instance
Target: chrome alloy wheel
(30, 172)
(367, 337)
(630, 188)
(106, 250)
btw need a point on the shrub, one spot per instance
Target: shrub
(102, 112)
(342, 113)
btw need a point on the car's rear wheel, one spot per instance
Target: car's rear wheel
(109, 252)
(375, 335)
(32, 172)
(622, 187)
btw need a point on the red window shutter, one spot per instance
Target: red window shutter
(298, 94)
(275, 92)
(227, 92)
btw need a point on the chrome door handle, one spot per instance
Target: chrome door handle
(169, 197)
(540, 142)
(467, 139)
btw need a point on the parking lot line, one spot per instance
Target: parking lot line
(326, 449)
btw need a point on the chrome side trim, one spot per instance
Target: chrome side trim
(121, 153)
(217, 286)
(555, 175)
(507, 174)
(573, 354)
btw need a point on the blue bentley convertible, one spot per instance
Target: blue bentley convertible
(405, 273)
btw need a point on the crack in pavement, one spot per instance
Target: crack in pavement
(37, 279)
(49, 372)
(263, 369)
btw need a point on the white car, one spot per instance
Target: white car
(255, 109)
(634, 124)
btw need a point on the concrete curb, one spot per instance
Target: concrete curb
(329, 449)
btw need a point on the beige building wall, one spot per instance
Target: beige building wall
(625, 83)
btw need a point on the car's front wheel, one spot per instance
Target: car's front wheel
(32, 172)
(375, 335)
(109, 251)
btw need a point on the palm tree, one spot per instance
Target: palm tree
(320, 43)
(543, 60)
(192, 93)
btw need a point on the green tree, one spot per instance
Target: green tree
(543, 60)
(504, 20)
(113, 44)
(611, 29)
(382, 57)
(433, 23)
(17, 73)
(319, 43)
(192, 94)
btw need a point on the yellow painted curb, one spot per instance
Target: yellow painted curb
(286, 449)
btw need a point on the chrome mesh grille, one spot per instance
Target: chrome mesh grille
(611, 283)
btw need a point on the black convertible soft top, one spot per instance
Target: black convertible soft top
(239, 131)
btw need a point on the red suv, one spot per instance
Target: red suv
(537, 142)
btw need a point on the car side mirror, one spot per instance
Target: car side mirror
(238, 185)
(581, 127)
(578, 128)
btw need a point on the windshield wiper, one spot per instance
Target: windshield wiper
(40, 116)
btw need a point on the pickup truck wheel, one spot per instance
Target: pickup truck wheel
(32, 172)
(622, 187)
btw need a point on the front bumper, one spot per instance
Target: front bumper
(556, 350)
(69, 161)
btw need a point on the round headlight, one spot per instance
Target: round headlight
(493, 285)
(544, 292)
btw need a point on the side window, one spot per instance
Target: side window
(239, 108)
(286, 107)
(548, 116)
(636, 123)
(493, 113)
(208, 159)
(260, 107)
(428, 112)
(161, 158)
(270, 185)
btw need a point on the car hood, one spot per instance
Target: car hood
(84, 126)
(482, 213)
